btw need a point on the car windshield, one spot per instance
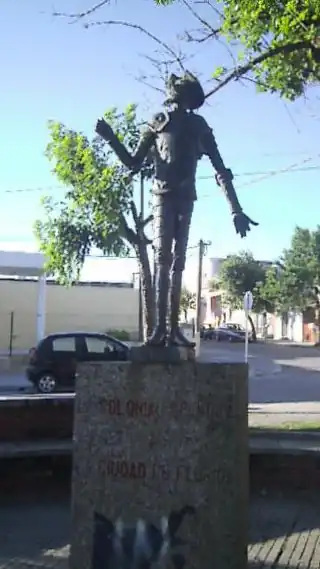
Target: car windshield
(233, 326)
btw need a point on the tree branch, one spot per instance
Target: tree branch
(122, 23)
(212, 32)
(127, 232)
(243, 69)
(81, 15)
(147, 220)
(140, 224)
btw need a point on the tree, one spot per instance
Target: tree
(271, 289)
(187, 302)
(239, 274)
(294, 283)
(274, 44)
(97, 206)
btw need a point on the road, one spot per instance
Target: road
(284, 383)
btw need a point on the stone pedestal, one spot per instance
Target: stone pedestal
(160, 475)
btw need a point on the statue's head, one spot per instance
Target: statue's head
(185, 91)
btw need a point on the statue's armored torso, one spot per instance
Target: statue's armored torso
(176, 151)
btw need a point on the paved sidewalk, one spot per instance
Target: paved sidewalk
(284, 534)
(14, 382)
(275, 414)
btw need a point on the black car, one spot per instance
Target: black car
(231, 332)
(53, 363)
(207, 332)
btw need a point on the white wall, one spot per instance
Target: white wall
(294, 328)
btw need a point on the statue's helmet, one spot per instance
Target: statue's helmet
(185, 90)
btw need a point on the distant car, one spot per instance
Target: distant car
(231, 332)
(53, 362)
(207, 332)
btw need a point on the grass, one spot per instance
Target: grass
(295, 426)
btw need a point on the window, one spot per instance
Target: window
(98, 345)
(64, 344)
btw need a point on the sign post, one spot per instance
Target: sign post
(247, 305)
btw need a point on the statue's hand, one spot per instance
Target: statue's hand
(224, 177)
(104, 130)
(242, 223)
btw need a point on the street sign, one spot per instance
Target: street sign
(247, 305)
(248, 301)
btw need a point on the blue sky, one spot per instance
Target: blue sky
(53, 70)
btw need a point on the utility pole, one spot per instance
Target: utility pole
(317, 314)
(199, 284)
(141, 319)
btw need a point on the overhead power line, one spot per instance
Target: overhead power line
(296, 167)
(92, 256)
(265, 173)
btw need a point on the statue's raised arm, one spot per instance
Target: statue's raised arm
(132, 161)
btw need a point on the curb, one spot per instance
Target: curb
(280, 434)
(279, 443)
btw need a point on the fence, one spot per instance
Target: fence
(18, 332)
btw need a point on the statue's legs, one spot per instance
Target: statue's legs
(182, 220)
(163, 233)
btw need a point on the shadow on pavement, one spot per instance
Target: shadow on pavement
(37, 531)
(273, 516)
(290, 386)
(34, 533)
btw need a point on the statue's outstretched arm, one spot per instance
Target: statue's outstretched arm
(224, 175)
(224, 179)
(132, 161)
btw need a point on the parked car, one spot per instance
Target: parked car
(53, 362)
(207, 332)
(231, 332)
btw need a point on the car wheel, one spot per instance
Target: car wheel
(46, 383)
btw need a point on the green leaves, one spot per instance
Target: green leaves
(284, 34)
(219, 72)
(301, 269)
(277, 43)
(187, 301)
(97, 197)
(238, 274)
(287, 285)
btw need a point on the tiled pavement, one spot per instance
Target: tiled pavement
(285, 533)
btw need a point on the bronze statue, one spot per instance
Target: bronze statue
(176, 138)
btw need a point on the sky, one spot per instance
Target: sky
(54, 69)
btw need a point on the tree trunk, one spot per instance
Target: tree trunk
(139, 242)
(147, 286)
(254, 334)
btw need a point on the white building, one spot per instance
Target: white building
(22, 264)
(288, 326)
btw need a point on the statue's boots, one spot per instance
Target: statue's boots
(176, 337)
(159, 334)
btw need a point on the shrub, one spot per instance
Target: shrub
(119, 334)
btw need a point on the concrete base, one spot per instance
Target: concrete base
(160, 471)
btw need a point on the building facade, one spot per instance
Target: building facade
(290, 326)
(88, 306)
